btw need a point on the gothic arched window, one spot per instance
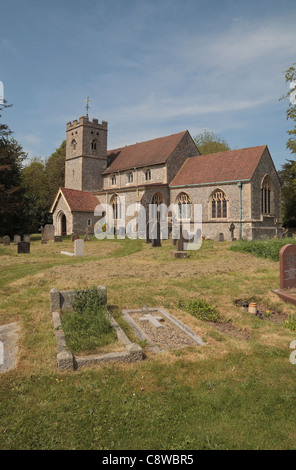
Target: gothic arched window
(266, 195)
(219, 205)
(116, 206)
(184, 206)
(156, 201)
(93, 144)
(73, 144)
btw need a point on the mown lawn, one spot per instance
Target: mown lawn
(237, 392)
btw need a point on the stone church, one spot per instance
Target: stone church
(239, 190)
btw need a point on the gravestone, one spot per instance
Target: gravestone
(288, 267)
(180, 252)
(23, 247)
(6, 240)
(16, 239)
(79, 247)
(47, 232)
(156, 232)
(231, 230)
(58, 239)
(27, 238)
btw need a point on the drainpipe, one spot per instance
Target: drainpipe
(240, 209)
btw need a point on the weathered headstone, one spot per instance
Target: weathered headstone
(58, 239)
(288, 267)
(156, 234)
(79, 247)
(23, 247)
(16, 239)
(47, 233)
(6, 240)
(27, 238)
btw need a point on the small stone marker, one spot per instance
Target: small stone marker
(86, 238)
(221, 237)
(16, 239)
(9, 335)
(153, 320)
(288, 267)
(23, 247)
(27, 238)
(6, 240)
(58, 239)
(47, 232)
(79, 247)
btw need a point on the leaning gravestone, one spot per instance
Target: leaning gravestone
(6, 240)
(288, 267)
(16, 239)
(23, 247)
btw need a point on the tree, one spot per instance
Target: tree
(290, 76)
(288, 171)
(11, 194)
(41, 181)
(209, 142)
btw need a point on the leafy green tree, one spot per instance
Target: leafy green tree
(41, 181)
(12, 156)
(288, 171)
(208, 142)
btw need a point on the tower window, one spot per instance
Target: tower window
(73, 144)
(93, 144)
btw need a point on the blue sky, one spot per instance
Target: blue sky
(150, 68)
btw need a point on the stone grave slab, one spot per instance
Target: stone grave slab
(160, 329)
(23, 247)
(78, 249)
(9, 335)
(16, 239)
(6, 240)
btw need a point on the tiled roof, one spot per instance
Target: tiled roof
(233, 165)
(151, 152)
(80, 201)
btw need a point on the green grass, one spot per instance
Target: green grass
(268, 249)
(233, 393)
(199, 309)
(88, 326)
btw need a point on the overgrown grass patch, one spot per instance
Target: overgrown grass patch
(88, 326)
(199, 309)
(268, 249)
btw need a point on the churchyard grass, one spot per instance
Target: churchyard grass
(236, 392)
(263, 248)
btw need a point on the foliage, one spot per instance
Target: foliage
(41, 181)
(209, 142)
(268, 249)
(291, 323)
(288, 179)
(199, 309)
(88, 326)
(288, 172)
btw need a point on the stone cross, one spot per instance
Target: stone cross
(153, 320)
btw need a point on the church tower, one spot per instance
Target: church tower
(86, 154)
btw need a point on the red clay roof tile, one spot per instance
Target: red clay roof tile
(151, 152)
(80, 201)
(233, 165)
